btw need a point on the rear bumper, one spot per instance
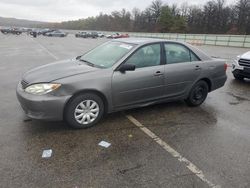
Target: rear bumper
(218, 82)
(42, 107)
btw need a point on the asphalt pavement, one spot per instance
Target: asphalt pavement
(214, 138)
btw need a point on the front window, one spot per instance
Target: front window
(107, 54)
(146, 56)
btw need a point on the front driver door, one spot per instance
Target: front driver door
(145, 83)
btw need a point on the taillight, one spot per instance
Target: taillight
(225, 67)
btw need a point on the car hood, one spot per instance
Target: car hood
(57, 70)
(245, 55)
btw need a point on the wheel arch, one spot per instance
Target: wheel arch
(92, 91)
(209, 83)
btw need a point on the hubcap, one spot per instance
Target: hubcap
(86, 112)
(198, 93)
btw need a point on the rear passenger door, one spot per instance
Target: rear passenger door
(182, 68)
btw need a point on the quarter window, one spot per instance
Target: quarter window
(176, 53)
(147, 56)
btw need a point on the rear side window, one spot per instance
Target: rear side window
(176, 53)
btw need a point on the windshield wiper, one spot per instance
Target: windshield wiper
(89, 63)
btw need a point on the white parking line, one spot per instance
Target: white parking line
(193, 168)
(45, 49)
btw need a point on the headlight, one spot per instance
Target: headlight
(237, 59)
(41, 89)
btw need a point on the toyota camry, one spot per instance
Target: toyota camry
(117, 75)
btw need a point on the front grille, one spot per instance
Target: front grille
(24, 84)
(244, 62)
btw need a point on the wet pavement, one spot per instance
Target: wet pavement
(215, 136)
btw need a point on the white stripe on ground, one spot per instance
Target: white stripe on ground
(193, 168)
(45, 49)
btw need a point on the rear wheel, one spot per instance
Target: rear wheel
(84, 111)
(198, 94)
(238, 77)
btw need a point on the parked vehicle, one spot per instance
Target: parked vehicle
(84, 34)
(45, 31)
(118, 75)
(101, 35)
(241, 66)
(117, 36)
(121, 36)
(35, 32)
(93, 34)
(56, 34)
(81, 34)
(25, 30)
(15, 31)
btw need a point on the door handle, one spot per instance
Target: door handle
(158, 73)
(197, 67)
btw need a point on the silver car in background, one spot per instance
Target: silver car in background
(117, 75)
(56, 33)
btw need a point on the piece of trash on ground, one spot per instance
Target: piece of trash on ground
(47, 153)
(104, 144)
(130, 135)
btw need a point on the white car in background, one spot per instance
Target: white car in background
(241, 66)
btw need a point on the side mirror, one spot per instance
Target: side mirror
(126, 67)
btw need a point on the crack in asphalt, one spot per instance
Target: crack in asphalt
(124, 171)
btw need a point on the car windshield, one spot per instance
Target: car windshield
(107, 54)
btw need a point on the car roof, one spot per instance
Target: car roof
(142, 40)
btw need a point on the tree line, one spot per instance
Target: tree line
(214, 17)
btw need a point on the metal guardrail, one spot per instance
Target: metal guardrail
(199, 39)
(242, 41)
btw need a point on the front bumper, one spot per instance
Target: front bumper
(240, 70)
(245, 72)
(42, 107)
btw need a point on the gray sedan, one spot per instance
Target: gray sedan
(56, 34)
(118, 75)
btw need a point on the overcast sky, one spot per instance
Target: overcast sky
(62, 10)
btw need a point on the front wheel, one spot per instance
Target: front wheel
(84, 111)
(198, 94)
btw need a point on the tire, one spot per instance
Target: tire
(76, 107)
(238, 77)
(198, 94)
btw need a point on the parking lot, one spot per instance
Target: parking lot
(166, 145)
